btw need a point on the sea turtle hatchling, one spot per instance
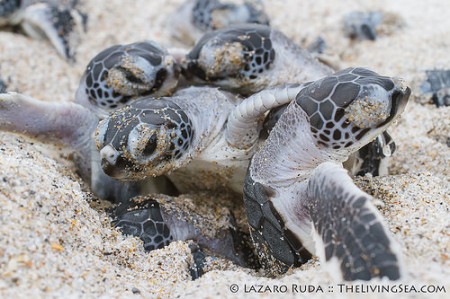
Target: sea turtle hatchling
(369, 25)
(300, 200)
(438, 84)
(58, 21)
(196, 17)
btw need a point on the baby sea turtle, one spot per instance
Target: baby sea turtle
(196, 17)
(362, 25)
(121, 73)
(299, 199)
(438, 84)
(249, 58)
(368, 25)
(58, 21)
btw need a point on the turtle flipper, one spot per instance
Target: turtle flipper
(62, 26)
(348, 230)
(67, 122)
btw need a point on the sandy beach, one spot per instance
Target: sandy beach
(56, 243)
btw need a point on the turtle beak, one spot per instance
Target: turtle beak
(399, 100)
(109, 157)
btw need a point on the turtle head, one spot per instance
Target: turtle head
(232, 58)
(146, 138)
(350, 108)
(121, 73)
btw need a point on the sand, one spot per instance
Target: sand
(54, 242)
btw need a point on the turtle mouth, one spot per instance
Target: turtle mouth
(122, 169)
(111, 170)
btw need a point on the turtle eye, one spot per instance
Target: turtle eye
(151, 145)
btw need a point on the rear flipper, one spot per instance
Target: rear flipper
(348, 230)
(159, 220)
(62, 26)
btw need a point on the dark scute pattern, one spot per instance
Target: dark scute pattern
(144, 220)
(351, 233)
(268, 227)
(258, 51)
(97, 89)
(345, 93)
(117, 124)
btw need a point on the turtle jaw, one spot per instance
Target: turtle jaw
(399, 100)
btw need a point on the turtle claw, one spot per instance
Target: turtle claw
(61, 26)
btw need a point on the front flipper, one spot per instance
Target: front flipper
(67, 122)
(62, 26)
(71, 123)
(348, 230)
